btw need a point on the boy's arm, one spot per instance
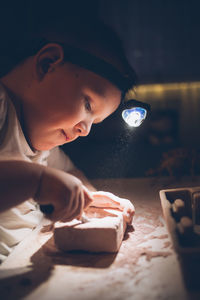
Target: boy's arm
(18, 182)
(21, 180)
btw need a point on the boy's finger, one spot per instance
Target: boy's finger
(77, 214)
(87, 197)
(82, 204)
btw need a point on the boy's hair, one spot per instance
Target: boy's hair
(92, 45)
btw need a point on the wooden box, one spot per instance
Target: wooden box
(186, 244)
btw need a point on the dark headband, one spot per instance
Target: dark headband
(93, 63)
(97, 65)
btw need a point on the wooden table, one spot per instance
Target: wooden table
(146, 266)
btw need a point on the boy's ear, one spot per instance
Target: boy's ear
(47, 58)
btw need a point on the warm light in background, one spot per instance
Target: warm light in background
(181, 97)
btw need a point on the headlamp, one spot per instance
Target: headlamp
(134, 112)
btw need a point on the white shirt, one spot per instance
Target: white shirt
(17, 222)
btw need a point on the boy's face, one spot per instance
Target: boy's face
(64, 103)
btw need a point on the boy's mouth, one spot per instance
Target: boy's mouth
(65, 135)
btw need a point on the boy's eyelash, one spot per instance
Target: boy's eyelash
(87, 104)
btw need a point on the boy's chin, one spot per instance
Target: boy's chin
(43, 147)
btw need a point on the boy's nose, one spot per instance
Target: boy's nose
(83, 128)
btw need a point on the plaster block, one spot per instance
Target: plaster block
(103, 232)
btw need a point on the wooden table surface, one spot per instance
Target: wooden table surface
(146, 266)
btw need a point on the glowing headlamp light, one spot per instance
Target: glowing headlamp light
(134, 112)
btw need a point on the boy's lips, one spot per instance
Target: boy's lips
(68, 138)
(65, 135)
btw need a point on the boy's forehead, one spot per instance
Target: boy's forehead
(107, 92)
(98, 85)
(99, 90)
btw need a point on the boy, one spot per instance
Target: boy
(72, 78)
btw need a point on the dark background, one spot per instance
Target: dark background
(161, 40)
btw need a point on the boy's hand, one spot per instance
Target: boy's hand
(65, 192)
(109, 200)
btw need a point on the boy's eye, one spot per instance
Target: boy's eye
(87, 104)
